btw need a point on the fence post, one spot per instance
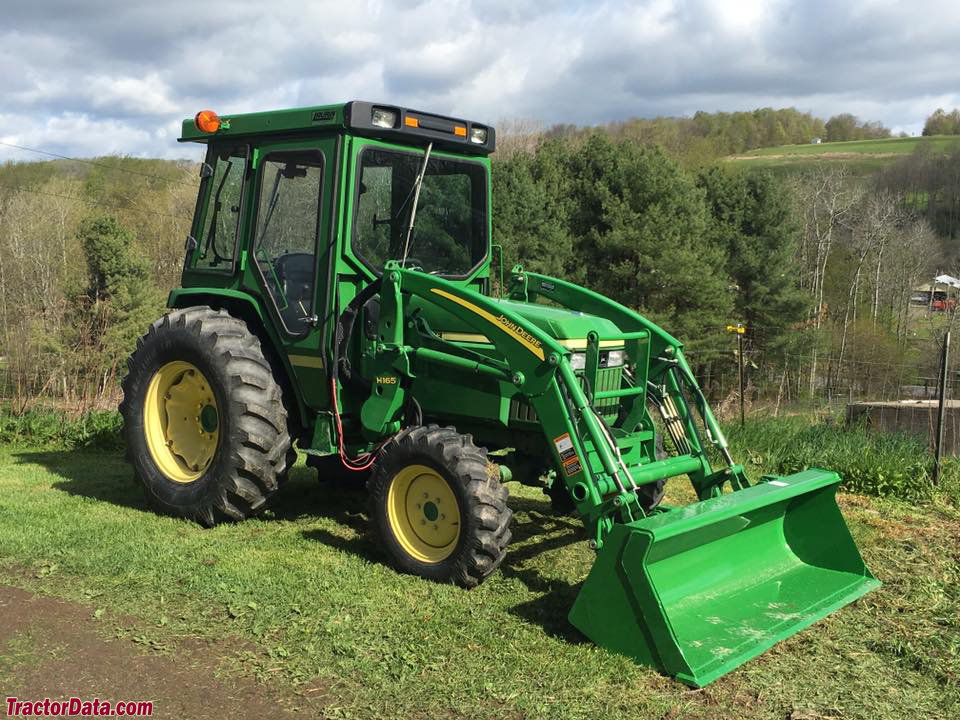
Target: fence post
(941, 409)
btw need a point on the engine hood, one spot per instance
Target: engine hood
(568, 327)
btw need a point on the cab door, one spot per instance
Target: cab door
(291, 242)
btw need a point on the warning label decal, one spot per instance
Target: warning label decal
(568, 456)
(564, 447)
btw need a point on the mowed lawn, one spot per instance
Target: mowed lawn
(308, 595)
(899, 146)
(862, 158)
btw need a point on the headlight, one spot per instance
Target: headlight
(615, 358)
(478, 135)
(578, 361)
(384, 118)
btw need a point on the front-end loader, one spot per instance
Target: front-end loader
(339, 294)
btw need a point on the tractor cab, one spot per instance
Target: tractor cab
(300, 209)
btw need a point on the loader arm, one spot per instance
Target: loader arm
(538, 366)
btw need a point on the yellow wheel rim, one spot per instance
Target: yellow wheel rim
(423, 513)
(181, 421)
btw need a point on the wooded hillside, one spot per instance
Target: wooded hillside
(819, 265)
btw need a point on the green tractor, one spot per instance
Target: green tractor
(340, 293)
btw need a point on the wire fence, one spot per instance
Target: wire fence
(50, 385)
(888, 396)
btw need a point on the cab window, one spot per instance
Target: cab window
(287, 228)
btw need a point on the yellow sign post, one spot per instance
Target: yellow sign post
(739, 329)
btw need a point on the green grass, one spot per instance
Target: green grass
(42, 427)
(311, 590)
(899, 146)
(861, 157)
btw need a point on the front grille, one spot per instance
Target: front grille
(607, 379)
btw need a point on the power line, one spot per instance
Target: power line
(94, 203)
(115, 168)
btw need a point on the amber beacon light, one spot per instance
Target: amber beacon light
(207, 121)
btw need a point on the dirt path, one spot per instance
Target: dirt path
(54, 649)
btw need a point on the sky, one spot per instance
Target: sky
(116, 77)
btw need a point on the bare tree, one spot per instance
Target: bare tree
(825, 198)
(518, 135)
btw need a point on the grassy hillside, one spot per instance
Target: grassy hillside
(864, 157)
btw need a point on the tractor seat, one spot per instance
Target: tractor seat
(295, 272)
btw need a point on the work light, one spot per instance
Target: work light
(478, 135)
(381, 117)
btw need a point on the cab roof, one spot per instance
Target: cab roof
(355, 117)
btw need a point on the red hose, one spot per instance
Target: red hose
(357, 464)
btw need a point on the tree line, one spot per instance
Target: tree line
(820, 265)
(941, 122)
(88, 251)
(706, 137)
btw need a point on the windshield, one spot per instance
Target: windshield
(219, 232)
(450, 234)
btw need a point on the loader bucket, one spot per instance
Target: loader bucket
(696, 592)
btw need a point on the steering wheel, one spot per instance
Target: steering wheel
(412, 263)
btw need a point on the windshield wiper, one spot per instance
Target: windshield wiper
(212, 233)
(416, 198)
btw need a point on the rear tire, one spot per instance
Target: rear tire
(245, 447)
(438, 506)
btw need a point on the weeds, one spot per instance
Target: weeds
(872, 463)
(52, 428)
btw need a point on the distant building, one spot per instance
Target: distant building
(816, 141)
(938, 296)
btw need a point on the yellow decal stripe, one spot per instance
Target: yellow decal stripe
(309, 361)
(570, 344)
(465, 337)
(581, 344)
(535, 349)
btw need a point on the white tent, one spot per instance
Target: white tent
(947, 280)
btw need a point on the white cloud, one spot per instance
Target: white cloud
(111, 76)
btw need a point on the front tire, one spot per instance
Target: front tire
(204, 420)
(438, 506)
